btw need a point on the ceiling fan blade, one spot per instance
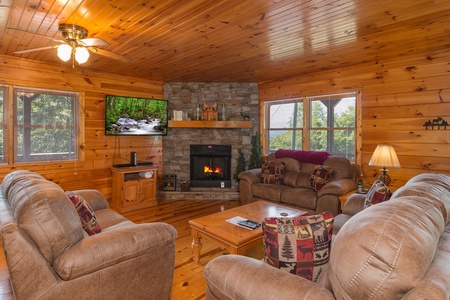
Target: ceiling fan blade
(36, 34)
(36, 49)
(94, 42)
(110, 54)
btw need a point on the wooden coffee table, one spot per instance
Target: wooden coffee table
(234, 239)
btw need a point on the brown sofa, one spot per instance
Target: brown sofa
(399, 249)
(355, 203)
(296, 190)
(50, 256)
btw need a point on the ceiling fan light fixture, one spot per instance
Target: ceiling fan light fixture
(81, 55)
(64, 52)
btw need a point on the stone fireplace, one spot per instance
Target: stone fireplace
(241, 97)
(210, 166)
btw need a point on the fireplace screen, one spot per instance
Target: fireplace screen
(210, 165)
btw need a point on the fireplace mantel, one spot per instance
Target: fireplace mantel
(210, 124)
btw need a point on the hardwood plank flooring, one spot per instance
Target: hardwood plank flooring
(188, 282)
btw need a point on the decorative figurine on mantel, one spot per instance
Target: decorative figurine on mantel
(209, 112)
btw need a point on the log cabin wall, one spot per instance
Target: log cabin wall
(397, 98)
(97, 151)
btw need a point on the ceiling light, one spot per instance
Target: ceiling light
(81, 55)
(64, 52)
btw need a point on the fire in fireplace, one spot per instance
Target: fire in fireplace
(212, 172)
(210, 166)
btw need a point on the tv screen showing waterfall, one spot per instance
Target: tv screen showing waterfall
(135, 116)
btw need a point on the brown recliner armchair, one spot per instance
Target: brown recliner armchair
(50, 256)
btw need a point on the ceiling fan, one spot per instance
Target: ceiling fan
(76, 45)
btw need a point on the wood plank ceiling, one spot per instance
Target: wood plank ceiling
(242, 40)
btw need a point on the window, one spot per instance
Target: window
(3, 99)
(285, 121)
(322, 123)
(45, 125)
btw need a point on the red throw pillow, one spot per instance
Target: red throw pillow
(319, 177)
(272, 172)
(86, 213)
(299, 245)
(378, 192)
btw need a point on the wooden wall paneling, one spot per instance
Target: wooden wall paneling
(398, 97)
(430, 111)
(417, 136)
(313, 88)
(404, 124)
(407, 86)
(81, 125)
(262, 128)
(346, 78)
(415, 162)
(411, 98)
(358, 135)
(98, 150)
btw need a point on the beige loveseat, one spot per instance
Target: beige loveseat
(295, 190)
(50, 256)
(398, 249)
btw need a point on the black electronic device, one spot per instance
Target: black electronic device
(249, 224)
(361, 190)
(133, 158)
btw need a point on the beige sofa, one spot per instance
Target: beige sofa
(399, 249)
(296, 190)
(355, 203)
(50, 256)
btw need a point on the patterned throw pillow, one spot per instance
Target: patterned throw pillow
(86, 213)
(379, 192)
(319, 177)
(299, 245)
(272, 172)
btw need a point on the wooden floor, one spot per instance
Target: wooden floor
(188, 282)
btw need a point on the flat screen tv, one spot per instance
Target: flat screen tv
(135, 116)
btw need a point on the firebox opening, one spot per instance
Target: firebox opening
(210, 165)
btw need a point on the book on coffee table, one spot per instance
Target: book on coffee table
(244, 223)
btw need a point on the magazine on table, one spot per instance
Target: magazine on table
(244, 223)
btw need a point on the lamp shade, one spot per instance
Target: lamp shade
(81, 55)
(64, 52)
(384, 156)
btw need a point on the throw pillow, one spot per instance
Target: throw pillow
(378, 192)
(319, 177)
(272, 172)
(299, 245)
(86, 213)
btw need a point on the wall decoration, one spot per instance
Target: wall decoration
(438, 122)
(209, 112)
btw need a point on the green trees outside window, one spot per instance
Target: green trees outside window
(326, 123)
(45, 125)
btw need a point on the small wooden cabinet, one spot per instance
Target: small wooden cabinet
(131, 190)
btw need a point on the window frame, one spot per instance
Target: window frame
(27, 126)
(3, 125)
(295, 129)
(307, 119)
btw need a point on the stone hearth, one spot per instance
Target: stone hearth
(238, 98)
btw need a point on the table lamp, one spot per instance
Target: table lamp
(384, 156)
